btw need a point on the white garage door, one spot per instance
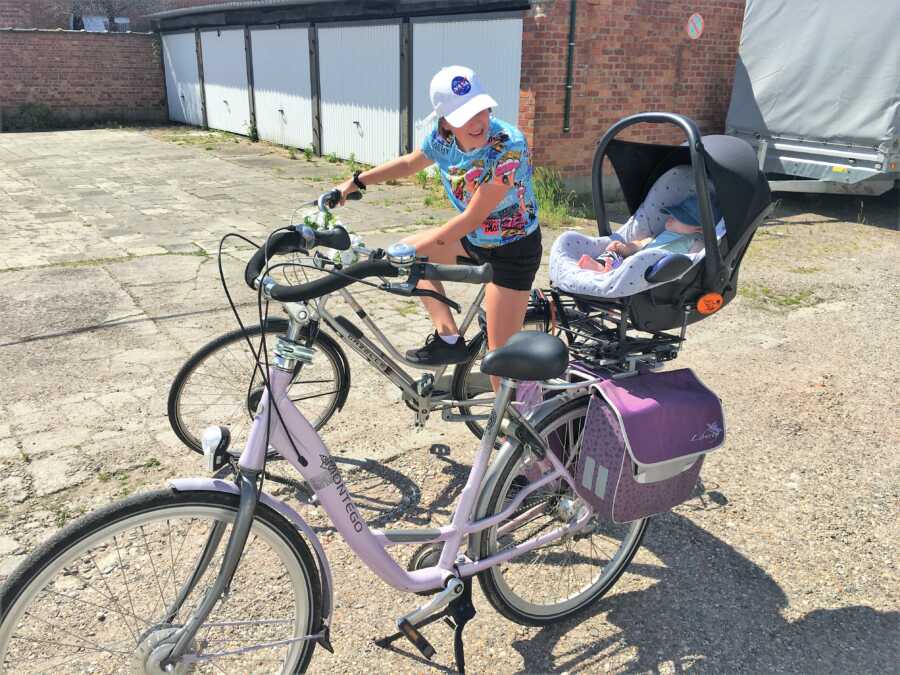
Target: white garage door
(281, 85)
(182, 78)
(490, 47)
(225, 80)
(359, 79)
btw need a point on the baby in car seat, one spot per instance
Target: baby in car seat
(683, 233)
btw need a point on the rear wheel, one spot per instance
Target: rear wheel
(97, 597)
(219, 384)
(469, 382)
(566, 576)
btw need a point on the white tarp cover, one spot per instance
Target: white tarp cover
(825, 70)
(95, 24)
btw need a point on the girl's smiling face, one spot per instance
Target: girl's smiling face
(474, 133)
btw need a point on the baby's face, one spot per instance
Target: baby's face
(675, 225)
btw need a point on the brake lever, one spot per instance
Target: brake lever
(437, 296)
(408, 289)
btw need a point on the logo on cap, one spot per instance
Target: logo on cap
(460, 85)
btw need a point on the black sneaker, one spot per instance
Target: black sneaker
(437, 352)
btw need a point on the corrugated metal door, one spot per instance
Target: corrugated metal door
(225, 80)
(490, 47)
(359, 79)
(281, 85)
(182, 78)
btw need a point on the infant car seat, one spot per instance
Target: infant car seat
(629, 278)
(659, 290)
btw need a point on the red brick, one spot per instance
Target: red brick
(630, 56)
(83, 73)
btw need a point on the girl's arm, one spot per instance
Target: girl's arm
(401, 167)
(483, 202)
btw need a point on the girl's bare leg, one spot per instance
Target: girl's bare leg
(444, 255)
(505, 309)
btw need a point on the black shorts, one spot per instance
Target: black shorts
(515, 264)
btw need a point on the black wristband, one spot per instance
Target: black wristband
(357, 182)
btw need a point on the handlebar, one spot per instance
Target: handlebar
(292, 242)
(332, 198)
(279, 243)
(464, 274)
(302, 238)
(337, 237)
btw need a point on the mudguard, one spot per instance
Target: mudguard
(217, 485)
(503, 457)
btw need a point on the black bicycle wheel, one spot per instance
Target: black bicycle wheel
(562, 578)
(100, 594)
(469, 382)
(219, 385)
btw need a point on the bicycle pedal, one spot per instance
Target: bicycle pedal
(418, 640)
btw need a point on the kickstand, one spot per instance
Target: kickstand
(457, 614)
(462, 611)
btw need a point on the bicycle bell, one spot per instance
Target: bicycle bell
(401, 255)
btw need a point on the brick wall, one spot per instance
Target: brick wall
(15, 14)
(49, 13)
(81, 77)
(630, 56)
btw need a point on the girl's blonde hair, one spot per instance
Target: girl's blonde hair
(444, 129)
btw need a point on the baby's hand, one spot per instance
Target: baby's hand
(623, 248)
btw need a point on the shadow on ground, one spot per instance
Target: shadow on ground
(712, 609)
(882, 211)
(709, 608)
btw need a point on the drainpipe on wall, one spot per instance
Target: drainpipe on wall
(570, 57)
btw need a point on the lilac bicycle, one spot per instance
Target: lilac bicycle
(213, 575)
(216, 575)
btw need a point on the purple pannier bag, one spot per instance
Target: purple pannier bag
(645, 437)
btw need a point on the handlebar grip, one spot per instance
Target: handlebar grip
(465, 274)
(333, 198)
(281, 242)
(336, 238)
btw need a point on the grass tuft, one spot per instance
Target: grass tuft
(556, 203)
(773, 299)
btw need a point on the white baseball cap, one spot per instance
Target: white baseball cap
(457, 95)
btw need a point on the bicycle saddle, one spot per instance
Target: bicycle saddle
(529, 355)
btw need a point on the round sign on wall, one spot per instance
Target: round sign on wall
(695, 26)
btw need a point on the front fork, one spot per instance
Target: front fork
(287, 354)
(247, 483)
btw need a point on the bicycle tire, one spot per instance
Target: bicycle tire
(497, 589)
(467, 382)
(237, 411)
(61, 553)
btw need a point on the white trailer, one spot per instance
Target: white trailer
(817, 92)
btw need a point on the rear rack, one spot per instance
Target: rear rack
(600, 334)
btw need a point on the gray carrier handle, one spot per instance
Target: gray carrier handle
(714, 272)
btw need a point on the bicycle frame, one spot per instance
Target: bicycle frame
(318, 468)
(387, 363)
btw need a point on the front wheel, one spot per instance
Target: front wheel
(566, 576)
(220, 384)
(98, 596)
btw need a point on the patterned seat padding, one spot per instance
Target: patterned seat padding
(673, 187)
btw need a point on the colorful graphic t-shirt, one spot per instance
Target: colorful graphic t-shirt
(504, 161)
